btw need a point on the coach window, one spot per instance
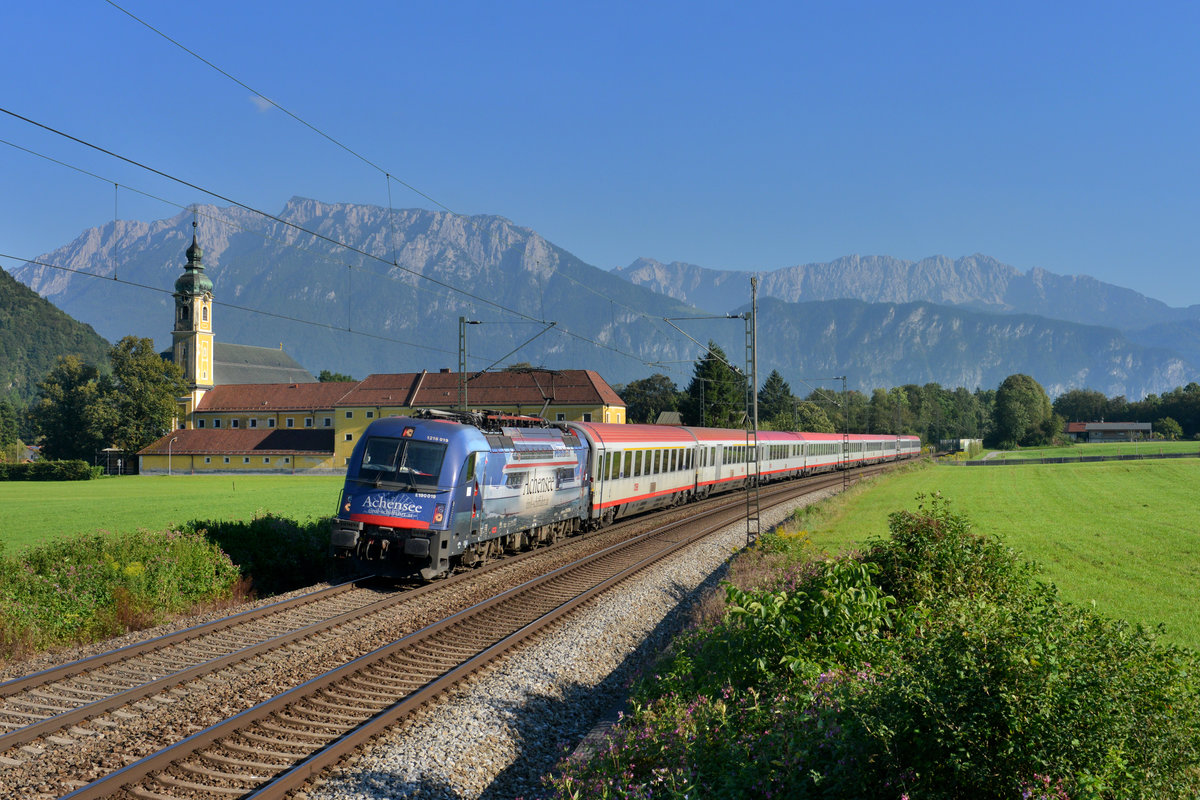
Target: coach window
(627, 472)
(657, 462)
(637, 463)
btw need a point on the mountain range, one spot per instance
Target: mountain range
(360, 289)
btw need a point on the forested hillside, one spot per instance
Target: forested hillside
(33, 333)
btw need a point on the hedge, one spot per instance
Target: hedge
(50, 471)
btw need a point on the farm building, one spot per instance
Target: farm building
(1108, 431)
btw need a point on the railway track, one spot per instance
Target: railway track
(276, 746)
(55, 702)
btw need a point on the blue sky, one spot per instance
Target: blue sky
(749, 136)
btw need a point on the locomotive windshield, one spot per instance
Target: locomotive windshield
(405, 461)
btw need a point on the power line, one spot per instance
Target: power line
(226, 305)
(388, 175)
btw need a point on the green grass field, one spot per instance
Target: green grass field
(1101, 449)
(32, 512)
(1125, 535)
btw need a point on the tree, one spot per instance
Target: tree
(716, 397)
(9, 423)
(334, 377)
(804, 416)
(65, 414)
(1081, 405)
(1022, 414)
(775, 397)
(141, 395)
(646, 398)
(1169, 429)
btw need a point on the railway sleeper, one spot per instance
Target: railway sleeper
(204, 790)
(238, 762)
(216, 774)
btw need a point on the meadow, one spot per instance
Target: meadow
(32, 512)
(1124, 536)
(1100, 449)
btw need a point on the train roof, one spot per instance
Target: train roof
(616, 433)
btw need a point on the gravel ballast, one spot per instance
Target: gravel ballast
(501, 732)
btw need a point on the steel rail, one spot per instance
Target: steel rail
(297, 705)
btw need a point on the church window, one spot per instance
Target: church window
(271, 422)
(204, 313)
(308, 422)
(217, 422)
(349, 415)
(291, 423)
(370, 414)
(329, 422)
(253, 423)
(349, 437)
(233, 424)
(200, 422)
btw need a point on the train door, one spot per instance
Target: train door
(468, 498)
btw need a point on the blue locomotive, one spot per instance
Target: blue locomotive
(423, 495)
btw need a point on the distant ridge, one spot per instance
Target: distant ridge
(881, 321)
(977, 282)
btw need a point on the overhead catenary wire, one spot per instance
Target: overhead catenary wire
(335, 141)
(223, 304)
(315, 234)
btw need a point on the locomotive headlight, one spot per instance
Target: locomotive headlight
(439, 512)
(346, 505)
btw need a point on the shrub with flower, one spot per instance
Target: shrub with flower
(934, 665)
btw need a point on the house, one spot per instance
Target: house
(1108, 431)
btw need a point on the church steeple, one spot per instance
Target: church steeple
(192, 335)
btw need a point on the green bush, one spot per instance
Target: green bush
(276, 554)
(979, 682)
(932, 557)
(95, 586)
(50, 471)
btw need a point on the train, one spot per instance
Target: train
(437, 491)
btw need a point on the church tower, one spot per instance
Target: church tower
(192, 335)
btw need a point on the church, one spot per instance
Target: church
(257, 410)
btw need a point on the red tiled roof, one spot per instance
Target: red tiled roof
(431, 389)
(273, 397)
(207, 441)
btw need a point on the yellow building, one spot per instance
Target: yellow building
(254, 409)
